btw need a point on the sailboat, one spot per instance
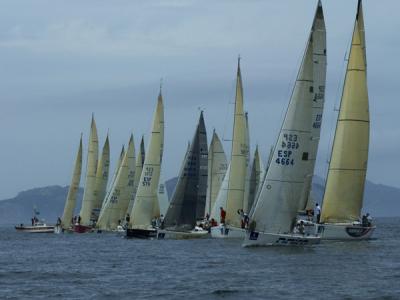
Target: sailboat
(274, 213)
(145, 207)
(188, 200)
(217, 166)
(69, 207)
(85, 216)
(344, 190)
(232, 192)
(101, 180)
(116, 203)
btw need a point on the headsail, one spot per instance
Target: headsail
(146, 202)
(188, 200)
(276, 206)
(70, 203)
(344, 189)
(217, 166)
(101, 179)
(91, 169)
(256, 176)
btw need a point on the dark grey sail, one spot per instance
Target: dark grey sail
(189, 198)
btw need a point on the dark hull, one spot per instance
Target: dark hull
(141, 233)
(82, 228)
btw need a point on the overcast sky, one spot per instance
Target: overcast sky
(62, 60)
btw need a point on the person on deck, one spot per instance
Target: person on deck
(317, 212)
(128, 218)
(241, 214)
(79, 220)
(222, 215)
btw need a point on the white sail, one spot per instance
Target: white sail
(91, 169)
(276, 207)
(238, 169)
(318, 35)
(222, 197)
(343, 197)
(146, 204)
(116, 203)
(162, 196)
(102, 172)
(138, 171)
(70, 203)
(248, 169)
(217, 166)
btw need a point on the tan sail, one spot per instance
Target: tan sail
(102, 172)
(344, 189)
(256, 176)
(70, 203)
(91, 169)
(145, 206)
(116, 203)
(237, 175)
(138, 171)
(217, 166)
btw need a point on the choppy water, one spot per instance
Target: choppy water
(105, 266)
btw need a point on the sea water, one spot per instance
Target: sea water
(108, 266)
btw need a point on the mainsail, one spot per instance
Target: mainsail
(276, 205)
(318, 35)
(91, 169)
(146, 203)
(70, 203)
(116, 203)
(102, 172)
(344, 189)
(138, 171)
(237, 175)
(217, 166)
(188, 200)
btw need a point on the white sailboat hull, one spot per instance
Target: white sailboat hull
(255, 238)
(227, 232)
(345, 231)
(181, 235)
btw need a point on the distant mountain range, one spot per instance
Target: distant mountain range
(380, 201)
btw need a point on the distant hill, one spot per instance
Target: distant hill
(380, 201)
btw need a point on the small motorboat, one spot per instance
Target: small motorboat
(37, 227)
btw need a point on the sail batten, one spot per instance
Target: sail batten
(344, 190)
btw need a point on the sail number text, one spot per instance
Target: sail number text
(148, 174)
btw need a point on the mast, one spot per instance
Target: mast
(344, 191)
(146, 203)
(91, 168)
(70, 203)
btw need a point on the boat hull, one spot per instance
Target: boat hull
(181, 235)
(255, 238)
(141, 233)
(227, 232)
(345, 231)
(82, 228)
(35, 229)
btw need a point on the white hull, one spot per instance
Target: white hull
(227, 232)
(181, 235)
(345, 231)
(39, 228)
(254, 238)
